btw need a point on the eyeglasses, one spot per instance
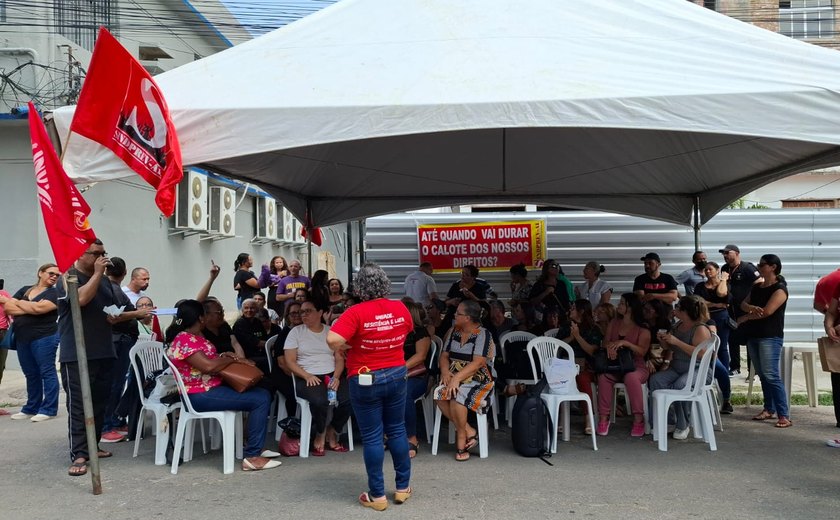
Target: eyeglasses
(50, 273)
(143, 305)
(96, 254)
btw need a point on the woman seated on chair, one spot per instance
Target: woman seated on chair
(625, 332)
(584, 336)
(310, 359)
(678, 345)
(198, 363)
(416, 350)
(251, 335)
(466, 383)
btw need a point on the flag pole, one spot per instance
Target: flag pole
(84, 378)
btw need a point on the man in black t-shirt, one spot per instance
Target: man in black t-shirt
(95, 293)
(740, 277)
(654, 284)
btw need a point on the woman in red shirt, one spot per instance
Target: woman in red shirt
(373, 333)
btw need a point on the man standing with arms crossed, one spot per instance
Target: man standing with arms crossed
(741, 277)
(654, 284)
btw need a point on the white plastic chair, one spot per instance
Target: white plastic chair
(554, 401)
(427, 401)
(306, 423)
(230, 423)
(693, 391)
(504, 340)
(481, 420)
(712, 390)
(151, 357)
(277, 411)
(551, 333)
(645, 411)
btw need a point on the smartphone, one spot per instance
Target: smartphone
(2, 283)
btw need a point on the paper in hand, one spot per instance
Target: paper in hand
(113, 310)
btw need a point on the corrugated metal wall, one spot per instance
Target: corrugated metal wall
(807, 241)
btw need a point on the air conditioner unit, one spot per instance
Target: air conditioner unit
(298, 237)
(222, 211)
(191, 205)
(266, 213)
(287, 226)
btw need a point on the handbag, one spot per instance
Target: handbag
(9, 338)
(829, 354)
(241, 376)
(622, 364)
(418, 370)
(288, 446)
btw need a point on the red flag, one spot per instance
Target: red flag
(122, 108)
(317, 235)
(65, 211)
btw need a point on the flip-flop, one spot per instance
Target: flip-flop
(415, 448)
(104, 454)
(460, 455)
(764, 415)
(472, 442)
(340, 448)
(784, 422)
(77, 469)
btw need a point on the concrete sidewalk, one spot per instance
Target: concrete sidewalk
(758, 471)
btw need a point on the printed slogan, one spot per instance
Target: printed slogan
(490, 246)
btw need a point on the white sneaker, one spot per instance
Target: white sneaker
(681, 435)
(834, 443)
(20, 416)
(42, 417)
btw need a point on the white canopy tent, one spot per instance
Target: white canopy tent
(376, 106)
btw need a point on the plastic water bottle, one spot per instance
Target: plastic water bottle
(332, 396)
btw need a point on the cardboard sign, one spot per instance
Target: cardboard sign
(490, 246)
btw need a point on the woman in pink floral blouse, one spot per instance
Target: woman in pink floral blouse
(198, 363)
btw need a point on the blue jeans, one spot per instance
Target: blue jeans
(37, 360)
(256, 400)
(722, 377)
(122, 345)
(380, 408)
(766, 354)
(415, 387)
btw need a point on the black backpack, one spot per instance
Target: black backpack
(531, 423)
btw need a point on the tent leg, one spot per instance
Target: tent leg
(697, 223)
(349, 253)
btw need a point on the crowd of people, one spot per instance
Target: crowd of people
(355, 353)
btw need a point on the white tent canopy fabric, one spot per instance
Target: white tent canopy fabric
(375, 106)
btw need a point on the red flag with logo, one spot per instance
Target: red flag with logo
(317, 234)
(122, 108)
(65, 211)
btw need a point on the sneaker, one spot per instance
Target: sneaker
(736, 372)
(113, 436)
(681, 435)
(20, 416)
(603, 428)
(726, 409)
(834, 443)
(122, 430)
(638, 430)
(42, 417)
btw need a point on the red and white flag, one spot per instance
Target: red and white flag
(65, 211)
(122, 108)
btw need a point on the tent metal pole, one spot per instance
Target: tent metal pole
(349, 253)
(361, 242)
(697, 223)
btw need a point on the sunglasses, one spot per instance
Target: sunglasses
(51, 273)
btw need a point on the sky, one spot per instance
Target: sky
(261, 16)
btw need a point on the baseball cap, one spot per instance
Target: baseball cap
(729, 247)
(651, 256)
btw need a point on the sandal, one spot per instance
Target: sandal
(784, 422)
(401, 496)
(366, 500)
(102, 454)
(78, 468)
(472, 442)
(764, 415)
(318, 452)
(412, 448)
(337, 447)
(462, 455)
